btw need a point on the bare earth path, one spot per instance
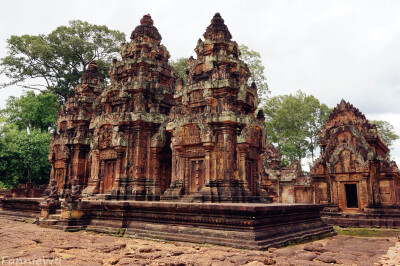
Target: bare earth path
(27, 243)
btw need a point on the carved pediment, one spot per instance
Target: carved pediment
(346, 159)
(105, 137)
(189, 135)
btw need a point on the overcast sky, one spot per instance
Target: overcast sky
(330, 49)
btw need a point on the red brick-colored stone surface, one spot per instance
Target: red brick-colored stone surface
(26, 241)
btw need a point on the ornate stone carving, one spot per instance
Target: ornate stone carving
(147, 128)
(350, 163)
(130, 119)
(70, 145)
(208, 115)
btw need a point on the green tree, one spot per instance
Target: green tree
(31, 111)
(254, 63)
(386, 131)
(25, 133)
(56, 61)
(180, 65)
(23, 157)
(293, 122)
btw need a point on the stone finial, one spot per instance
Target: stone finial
(93, 66)
(217, 30)
(146, 20)
(92, 74)
(146, 28)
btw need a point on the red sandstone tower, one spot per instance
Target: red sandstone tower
(130, 153)
(70, 145)
(217, 140)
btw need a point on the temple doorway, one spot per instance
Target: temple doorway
(165, 165)
(351, 195)
(109, 175)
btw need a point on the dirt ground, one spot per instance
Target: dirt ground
(25, 243)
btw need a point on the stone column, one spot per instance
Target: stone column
(208, 146)
(186, 175)
(229, 155)
(94, 175)
(175, 191)
(118, 188)
(102, 174)
(181, 164)
(341, 194)
(154, 191)
(374, 184)
(140, 157)
(62, 184)
(242, 148)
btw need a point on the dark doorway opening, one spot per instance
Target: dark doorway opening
(351, 195)
(165, 165)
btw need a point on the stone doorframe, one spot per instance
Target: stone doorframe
(343, 203)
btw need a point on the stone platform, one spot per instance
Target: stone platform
(20, 209)
(253, 226)
(242, 225)
(370, 217)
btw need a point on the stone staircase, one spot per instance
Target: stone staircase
(52, 221)
(56, 221)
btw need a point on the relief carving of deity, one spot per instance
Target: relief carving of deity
(105, 138)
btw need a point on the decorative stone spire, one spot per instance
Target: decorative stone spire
(344, 106)
(217, 31)
(146, 28)
(217, 140)
(131, 115)
(93, 66)
(92, 75)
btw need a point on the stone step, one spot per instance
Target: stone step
(193, 197)
(56, 217)
(48, 222)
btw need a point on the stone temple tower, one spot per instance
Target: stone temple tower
(217, 139)
(130, 150)
(70, 145)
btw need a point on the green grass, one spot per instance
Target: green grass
(120, 233)
(306, 239)
(367, 232)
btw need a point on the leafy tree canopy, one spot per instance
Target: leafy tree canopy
(25, 126)
(58, 59)
(386, 131)
(32, 111)
(254, 63)
(180, 65)
(23, 156)
(293, 122)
